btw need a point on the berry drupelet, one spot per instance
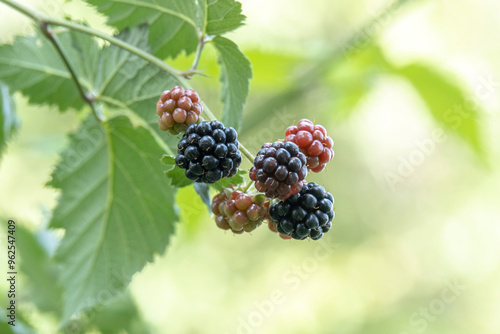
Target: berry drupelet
(208, 151)
(306, 214)
(279, 169)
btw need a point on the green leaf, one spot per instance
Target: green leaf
(235, 75)
(447, 103)
(178, 178)
(237, 179)
(41, 273)
(32, 66)
(168, 159)
(176, 175)
(117, 209)
(223, 16)
(176, 25)
(8, 118)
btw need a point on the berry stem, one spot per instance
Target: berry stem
(245, 189)
(199, 49)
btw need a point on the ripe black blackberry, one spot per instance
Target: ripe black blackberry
(306, 214)
(274, 228)
(208, 151)
(279, 169)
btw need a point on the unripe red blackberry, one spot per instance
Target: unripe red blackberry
(239, 212)
(208, 151)
(313, 141)
(279, 169)
(306, 214)
(177, 109)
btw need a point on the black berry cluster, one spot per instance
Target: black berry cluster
(239, 212)
(208, 151)
(279, 169)
(178, 108)
(306, 214)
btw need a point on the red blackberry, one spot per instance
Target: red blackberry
(313, 141)
(279, 169)
(239, 212)
(208, 151)
(306, 214)
(177, 109)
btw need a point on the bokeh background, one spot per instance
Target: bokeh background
(413, 105)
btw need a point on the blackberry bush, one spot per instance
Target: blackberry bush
(208, 151)
(239, 212)
(178, 108)
(306, 214)
(313, 141)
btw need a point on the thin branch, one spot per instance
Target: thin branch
(45, 29)
(247, 153)
(245, 189)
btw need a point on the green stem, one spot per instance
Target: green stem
(197, 57)
(41, 19)
(247, 153)
(245, 189)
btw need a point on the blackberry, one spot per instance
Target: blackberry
(178, 108)
(306, 214)
(279, 169)
(313, 141)
(208, 151)
(239, 212)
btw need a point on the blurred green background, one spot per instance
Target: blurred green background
(412, 103)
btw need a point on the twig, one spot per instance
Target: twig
(245, 189)
(192, 70)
